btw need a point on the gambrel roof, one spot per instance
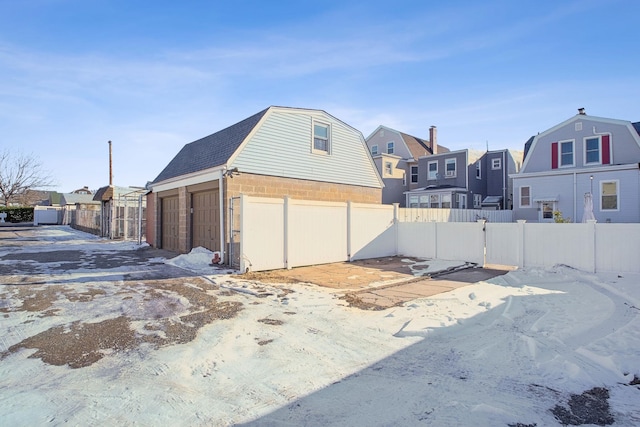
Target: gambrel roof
(210, 151)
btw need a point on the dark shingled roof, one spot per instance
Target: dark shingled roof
(527, 147)
(210, 151)
(636, 125)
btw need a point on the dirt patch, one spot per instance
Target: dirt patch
(174, 310)
(81, 344)
(353, 300)
(269, 277)
(273, 322)
(590, 407)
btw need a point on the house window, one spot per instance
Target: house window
(462, 201)
(321, 138)
(477, 200)
(413, 201)
(424, 201)
(525, 197)
(566, 153)
(478, 170)
(496, 164)
(433, 170)
(592, 150)
(404, 179)
(450, 168)
(374, 150)
(390, 147)
(446, 200)
(434, 201)
(388, 168)
(414, 174)
(609, 195)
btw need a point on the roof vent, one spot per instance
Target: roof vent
(581, 111)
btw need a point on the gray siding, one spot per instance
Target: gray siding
(570, 188)
(624, 148)
(390, 135)
(282, 147)
(460, 180)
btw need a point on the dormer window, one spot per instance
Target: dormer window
(566, 153)
(592, 150)
(321, 138)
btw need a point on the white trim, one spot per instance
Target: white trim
(573, 153)
(393, 147)
(191, 179)
(520, 197)
(435, 162)
(600, 184)
(493, 164)
(608, 168)
(584, 149)
(447, 172)
(320, 123)
(582, 117)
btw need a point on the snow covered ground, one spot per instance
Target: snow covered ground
(517, 350)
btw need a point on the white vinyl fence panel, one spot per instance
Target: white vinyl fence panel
(277, 233)
(372, 231)
(551, 244)
(504, 243)
(617, 247)
(417, 239)
(317, 232)
(46, 215)
(460, 241)
(453, 215)
(261, 240)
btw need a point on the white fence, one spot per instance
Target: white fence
(286, 233)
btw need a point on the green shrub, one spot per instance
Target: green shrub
(18, 214)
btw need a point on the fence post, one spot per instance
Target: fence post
(243, 226)
(396, 207)
(349, 230)
(285, 243)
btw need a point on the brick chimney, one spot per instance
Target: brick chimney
(433, 139)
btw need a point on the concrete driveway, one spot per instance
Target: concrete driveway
(376, 284)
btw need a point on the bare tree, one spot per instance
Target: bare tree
(19, 174)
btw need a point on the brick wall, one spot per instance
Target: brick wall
(271, 186)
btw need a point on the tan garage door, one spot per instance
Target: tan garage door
(206, 220)
(170, 229)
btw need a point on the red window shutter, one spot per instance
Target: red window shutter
(554, 155)
(606, 150)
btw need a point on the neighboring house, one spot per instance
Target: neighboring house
(280, 151)
(464, 179)
(581, 155)
(491, 185)
(396, 157)
(83, 190)
(443, 181)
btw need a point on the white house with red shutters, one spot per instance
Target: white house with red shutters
(584, 157)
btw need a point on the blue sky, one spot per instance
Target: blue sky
(152, 76)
